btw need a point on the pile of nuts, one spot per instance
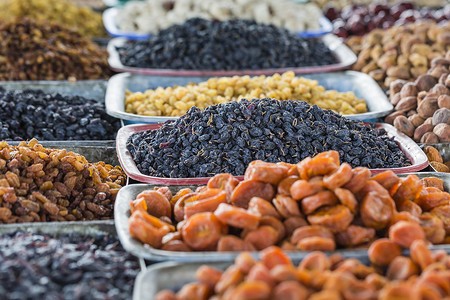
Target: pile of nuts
(84, 19)
(400, 52)
(345, 3)
(424, 274)
(154, 15)
(317, 204)
(176, 100)
(39, 185)
(423, 107)
(436, 160)
(41, 50)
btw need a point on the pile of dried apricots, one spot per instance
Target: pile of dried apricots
(317, 204)
(423, 275)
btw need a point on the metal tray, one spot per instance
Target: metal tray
(361, 84)
(444, 151)
(92, 228)
(344, 55)
(109, 21)
(407, 145)
(129, 193)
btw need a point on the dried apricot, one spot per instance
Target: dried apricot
(263, 237)
(359, 178)
(206, 202)
(433, 228)
(404, 233)
(225, 182)
(157, 204)
(251, 290)
(347, 198)
(233, 243)
(354, 235)
(276, 224)
(315, 261)
(176, 245)
(430, 201)
(376, 210)
(336, 218)
(245, 262)
(293, 223)
(387, 179)
(290, 290)
(311, 203)
(433, 182)
(236, 216)
(383, 251)
(246, 190)
(193, 291)
(302, 188)
(263, 207)
(286, 206)
(316, 243)
(409, 189)
(208, 275)
(230, 277)
(260, 272)
(338, 178)
(273, 256)
(443, 213)
(411, 207)
(310, 231)
(420, 254)
(284, 187)
(265, 172)
(202, 231)
(401, 268)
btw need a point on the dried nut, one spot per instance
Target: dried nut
(443, 78)
(417, 71)
(427, 107)
(421, 130)
(416, 120)
(377, 74)
(408, 90)
(404, 125)
(369, 67)
(390, 118)
(388, 80)
(442, 131)
(433, 154)
(406, 104)
(395, 99)
(396, 86)
(444, 101)
(429, 121)
(398, 72)
(443, 38)
(403, 61)
(439, 167)
(425, 82)
(411, 113)
(440, 89)
(440, 61)
(442, 115)
(447, 81)
(437, 71)
(429, 137)
(418, 60)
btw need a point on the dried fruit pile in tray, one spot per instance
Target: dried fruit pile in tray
(35, 114)
(422, 274)
(176, 100)
(225, 138)
(436, 160)
(65, 12)
(200, 44)
(39, 185)
(42, 50)
(422, 108)
(66, 266)
(361, 19)
(400, 52)
(318, 204)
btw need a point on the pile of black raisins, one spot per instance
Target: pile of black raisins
(225, 138)
(52, 117)
(229, 45)
(71, 266)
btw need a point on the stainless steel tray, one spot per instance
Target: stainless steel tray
(344, 55)
(122, 213)
(92, 228)
(444, 150)
(362, 85)
(92, 89)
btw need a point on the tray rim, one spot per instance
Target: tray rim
(117, 82)
(345, 60)
(137, 248)
(407, 145)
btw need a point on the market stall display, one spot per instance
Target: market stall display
(337, 85)
(439, 157)
(317, 276)
(346, 3)
(65, 261)
(359, 20)
(143, 17)
(200, 44)
(30, 114)
(41, 50)
(41, 185)
(400, 52)
(422, 108)
(83, 19)
(318, 204)
(177, 100)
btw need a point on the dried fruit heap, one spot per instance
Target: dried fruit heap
(225, 138)
(35, 114)
(200, 44)
(317, 204)
(35, 266)
(39, 185)
(41, 50)
(422, 275)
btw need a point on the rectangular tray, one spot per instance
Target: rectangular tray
(345, 57)
(92, 228)
(407, 145)
(362, 85)
(129, 193)
(109, 16)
